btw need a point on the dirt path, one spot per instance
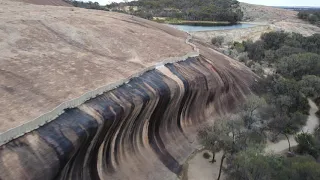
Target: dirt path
(201, 169)
(311, 124)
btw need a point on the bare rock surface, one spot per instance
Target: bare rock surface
(45, 2)
(260, 13)
(54, 54)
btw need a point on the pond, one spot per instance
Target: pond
(193, 28)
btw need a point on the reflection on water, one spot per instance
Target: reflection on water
(190, 28)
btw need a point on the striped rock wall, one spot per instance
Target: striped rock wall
(144, 129)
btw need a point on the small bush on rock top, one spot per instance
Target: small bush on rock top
(217, 40)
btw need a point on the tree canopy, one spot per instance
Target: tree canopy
(313, 16)
(201, 10)
(253, 164)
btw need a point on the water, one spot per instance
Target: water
(190, 28)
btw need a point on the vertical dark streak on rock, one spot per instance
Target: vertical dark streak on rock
(141, 130)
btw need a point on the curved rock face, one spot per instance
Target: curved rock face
(143, 129)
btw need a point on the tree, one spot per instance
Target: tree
(312, 43)
(217, 40)
(285, 51)
(286, 125)
(255, 50)
(204, 10)
(313, 19)
(295, 40)
(298, 65)
(299, 168)
(286, 95)
(209, 137)
(274, 40)
(307, 144)
(253, 164)
(303, 15)
(270, 56)
(249, 111)
(310, 86)
(217, 138)
(239, 47)
(234, 133)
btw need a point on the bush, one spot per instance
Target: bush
(269, 56)
(298, 65)
(288, 51)
(255, 50)
(243, 57)
(310, 86)
(206, 155)
(313, 19)
(257, 68)
(217, 40)
(274, 40)
(307, 144)
(313, 16)
(255, 165)
(312, 44)
(239, 47)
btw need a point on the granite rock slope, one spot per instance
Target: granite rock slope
(51, 55)
(143, 126)
(46, 2)
(142, 130)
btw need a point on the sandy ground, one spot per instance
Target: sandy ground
(201, 169)
(312, 123)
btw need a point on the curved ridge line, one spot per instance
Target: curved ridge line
(45, 118)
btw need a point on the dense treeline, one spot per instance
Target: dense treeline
(313, 16)
(199, 10)
(295, 59)
(254, 165)
(279, 111)
(87, 5)
(204, 10)
(276, 45)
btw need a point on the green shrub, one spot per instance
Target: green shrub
(255, 50)
(243, 57)
(307, 144)
(217, 40)
(239, 47)
(298, 65)
(274, 40)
